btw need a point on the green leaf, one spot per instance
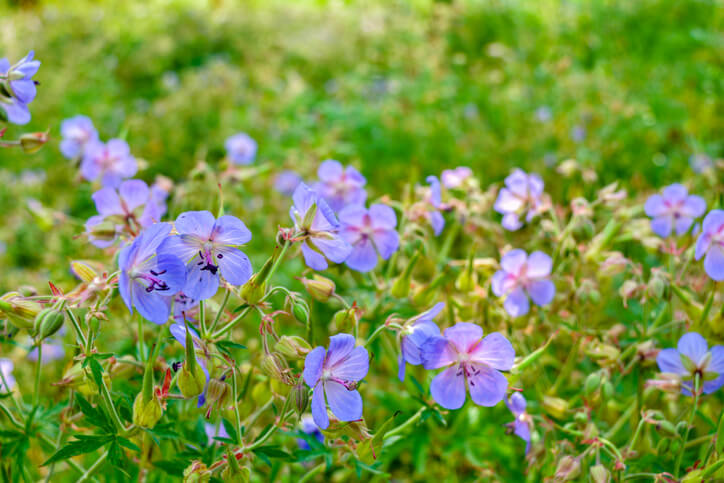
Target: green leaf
(720, 436)
(97, 371)
(230, 430)
(369, 449)
(83, 444)
(95, 416)
(128, 444)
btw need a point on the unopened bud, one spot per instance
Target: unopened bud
(197, 472)
(234, 472)
(555, 406)
(191, 382)
(293, 347)
(276, 367)
(300, 398)
(19, 311)
(217, 391)
(146, 413)
(602, 352)
(83, 271)
(599, 474)
(48, 322)
(255, 288)
(401, 286)
(568, 468)
(656, 287)
(320, 288)
(666, 428)
(592, 382)
(300, 309)
(32, 142)
(606, 390)
(345, 320)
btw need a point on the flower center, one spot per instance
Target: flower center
(207, 259)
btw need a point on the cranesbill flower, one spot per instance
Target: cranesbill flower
(209, 248)
(130, 207)
(77, 132)
(334, 373)
(522, 276)
(309, 427)
(53, 349)
(110, 162)
(146, 278)
(178, 331)
(454, 178)
(7, 381)
(183, 306)
(522, 194)
(523, 422)
(673, 209)
(470, 359)
(369, 232)
(415, 332)
(17, 88)
(340, 186)
(214, 431)
(434, 202)
(692, 357)
(318, 229)
(241, 148)
(286, 182)
(711, 244)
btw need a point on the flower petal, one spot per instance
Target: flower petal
(539, 265)
(151, 305)
(655, 206)
(172, 271)
(229, 230)
(717, 359)
(541, 291)
(694, 207)
(448, 388)
(335, 249)
(693, 346)
(340, 346)
(675, 192)
(437, 352)
(313, 258)
(464, 335)
(235, 265)
(507, 202)
(383, 216)
(319, 407)
(363, 257)
(345, 405)
(714, 263)
(661, 226)
(134, 193)
(496, 351)
(197, 223)
(354, 367)
(669, 361)
(516, 403)
(200, 284)
(516, 303)
(107, 202)
(313, 366)
(386, 241)
(330, 170)
(513, 261)
(487, 386)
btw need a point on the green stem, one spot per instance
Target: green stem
(412, 420)
(267, 435)
(311, 473)
(221, 310)
(235, 374)
(285, 247)
(76, 326)
(688, 425)
(620, 422)
(707, 306)
(202, 319)
(93, 468)
(38, 366)
(141, 348)
(10, 416)
(230, 325)
(374, 334)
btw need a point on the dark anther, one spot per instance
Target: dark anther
(219, 256)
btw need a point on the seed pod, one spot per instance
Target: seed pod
(593, 381)
(606, 390)
(300, 310)
(599, 474)
(146, 413)
(197, 472)
(32, 142)
(20, 312)
(320, 288)
(191, 381)
(568, 468)
(48, 322)
(293, 347)
(276, 367)
(345, 320)
(300, 398)
(666, 428)
(555, 406)
(83, 271)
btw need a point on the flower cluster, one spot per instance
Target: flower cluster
(17, 88)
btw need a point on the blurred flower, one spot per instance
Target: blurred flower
(523, 422)
(214, 431)
(178, 331)
(473, 360)
(208, 246)
(692, 357)
(17, 88)
(434, 199)
(286, 182)
(454, 178)
(53, 349)
(318, 229)
(335, 373)
(368, 231)
(77, 132)
(109, 163)
(543, 114)
(674, 208)
(241, 148)
(711, 244)
(340, 186)
(523, 276)
(308, 426)
(522, 194)
(7, 381)
(578, 133)
(182, 306)
(700, 163)
(132, 206)
(147, 279)
(415, 332)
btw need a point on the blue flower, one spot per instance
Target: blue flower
(522, 194)
(309, 427)
(523, 422)
(711, 244)
(178, 331)
(17, 88)
(691, 357)
(146, 278)
(415, 332)
(77, 132)
(674, 209)
(108, 163)
(369, 232)
(340, 186)
(241, 148)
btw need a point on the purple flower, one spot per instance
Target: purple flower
(110, 162)
(543, 114)
(368, 231)
(178, 331)
(241, 148)
(318, 228)
(214, 431)
(6, 369)
(470, 359)
(454, 178)
(578, 133)
(692, 357)
(77, 132)
(335, 373)
(182, 307)
(523, 276)
(17, 88)
(53, 349)
(523, 422)
(340, 186)
(147, 279)
(434, 201)
(309, 427)
(522, 194)
(286, 182)
(209, 248)
(132, 205)
(700, 163)
(673, 209)
(711, 244)
(415, 332)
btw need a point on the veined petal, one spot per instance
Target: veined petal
(229, 230)
(319, 407)
(448, 388)
(197, 223)
(200, 284)
(107, 202)
(354, 367)
(151, 305)
(313, 259)
(383, 216)
(235, 265)
(487, 386)
(437, 352)
(313, 366)
(539, 265)
(513, 261)
(345, 405)
(340, 346)
(494, 350)
(516, 403)
(335, 249)
(669, 361)
(363, 257)
(386, 241)
(186, 247)
(693, 346)
(464, 335)
(134, 193)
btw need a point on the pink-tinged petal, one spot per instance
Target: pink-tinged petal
(319, 407)
(336, 249)
(513, 261)
(516, 303)
(675, 192)
(517, 403)
(693, 346)
(448, 388)
(340, 346)
(669, 361)
(682, 225)
(487, 386)
(313, 364)
(541, 292)
(354, 367)
(655, 206)
(386, 241)
(694, 207)
(383, 216)
(235, 266)
(517, 182)
(714, 262)
(107, 202)
(464, 335)
(313, 259)
(496, 351)
(502, 282)
(196, 223)
(363, 257)
(662, 226)
(507, 202)
(330, 170)
(345, 405)
(229, 230)
(511, 222)
(717, 360)
(352, 215)
(539, 265)
(713, 222)
(134, 193)
(437, 352)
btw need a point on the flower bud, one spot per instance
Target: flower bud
(48, 322)
(602, 352)
(580, 417)
(146, 414)
(666, 428)
(300, 398)
(599, 474)
(320, 288)
(83, 271)
(197, 472)
(218, 391)
(568, 468)
(345, 320)
(276, 367)
(300, 310)
(234, 472)
(401, 286)
(191, 381)
(32, 142)
(20, 312)
(592, 382)
(255, 288)
(695, 476)
(681, 428)
(555, 406)
(293, 347)
(606, 391)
